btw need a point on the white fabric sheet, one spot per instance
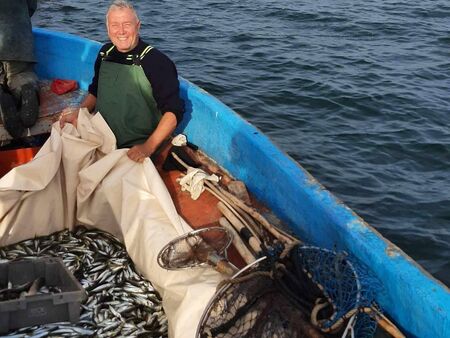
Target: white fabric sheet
(79, 177)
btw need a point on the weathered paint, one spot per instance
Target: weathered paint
(415, 300)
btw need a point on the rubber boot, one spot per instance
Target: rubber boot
(29, 105)
(9, 115)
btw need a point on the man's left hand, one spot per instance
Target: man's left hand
(139, 153)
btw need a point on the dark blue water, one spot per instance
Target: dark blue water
(356, 91)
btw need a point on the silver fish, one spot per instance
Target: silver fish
(120, 301)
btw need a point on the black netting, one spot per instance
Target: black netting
(278, 298)
(254, 306)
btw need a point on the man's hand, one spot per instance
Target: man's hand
(165, 127)
(68, 115)
(139, 152)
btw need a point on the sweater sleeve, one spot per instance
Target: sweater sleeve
(163, 76)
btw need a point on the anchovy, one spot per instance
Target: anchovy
(120, 301)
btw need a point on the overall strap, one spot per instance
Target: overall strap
(145, 51)
(104, 55)
(137, 58)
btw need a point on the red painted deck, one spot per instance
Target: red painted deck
(13, 158)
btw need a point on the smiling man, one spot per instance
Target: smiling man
(135, 87)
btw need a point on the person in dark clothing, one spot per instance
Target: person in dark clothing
(19, 98)
(135, 87)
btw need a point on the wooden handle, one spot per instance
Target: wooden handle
(254, 243)
(245, 253)
(221, 264)
(277, 233)
(384, 322)
(389, 327)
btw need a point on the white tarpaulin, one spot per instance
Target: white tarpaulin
(79, 177)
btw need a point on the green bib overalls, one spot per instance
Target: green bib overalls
(125, 100)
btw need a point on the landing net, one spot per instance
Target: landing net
(254, 306)
(193, 249)
(313, 293)
(347, 287)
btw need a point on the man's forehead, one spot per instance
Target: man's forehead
(121, 14)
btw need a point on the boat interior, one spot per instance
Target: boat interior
(199, 213)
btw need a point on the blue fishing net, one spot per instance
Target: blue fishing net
(346, 284)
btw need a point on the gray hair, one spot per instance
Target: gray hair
(121, 4)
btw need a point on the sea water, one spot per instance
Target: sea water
(355, 91)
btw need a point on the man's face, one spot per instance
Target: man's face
(123, 29)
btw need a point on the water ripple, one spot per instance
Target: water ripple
(356, 91)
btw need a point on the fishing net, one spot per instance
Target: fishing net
(347, 287)
(254, 306)
(199, 247)
(284, 297)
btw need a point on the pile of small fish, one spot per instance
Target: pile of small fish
(120, 302)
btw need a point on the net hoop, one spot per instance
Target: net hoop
(196, 234)
(246, 269)
(319, 278)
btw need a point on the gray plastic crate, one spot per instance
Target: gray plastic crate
(39, 308)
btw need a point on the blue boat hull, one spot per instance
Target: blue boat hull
(417, 302)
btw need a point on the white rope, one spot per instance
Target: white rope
(194, 181)
(179, 140)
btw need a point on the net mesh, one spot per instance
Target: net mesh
(347, 286)
(365, 326)
(276, 299)
(193, 248)
(254, 307)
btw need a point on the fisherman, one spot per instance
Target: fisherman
(19, 98)
(135, 87)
